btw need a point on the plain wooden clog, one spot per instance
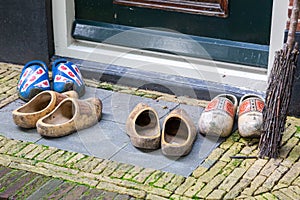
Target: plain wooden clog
(69, 116)
(178, 134)
(45, 102)
(143, 128)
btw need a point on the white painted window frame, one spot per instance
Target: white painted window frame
(222, 72)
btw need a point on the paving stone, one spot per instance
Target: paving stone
(295, 189)
(227, 144)
(164, 180)
(193, 190)
(154, 177)
(255, 184)
(111, 167)
(56, 168)
(209, 175)
(232, 179)
(115, 188)
(16, 148)
(75, 192)
(175, 183)
(255, 169)
(261, 190)
(121, 171)
(4, 170)
(37, 150)
(28, 148)
(260, 197)
(281, 195)
(237, 189)
(143, 175)
(288, 132)
(122, 197)
(75, 159)
(91, 194)
(46, 153)
(43, 191)
(294, 154)
(290, 193)
(66, 156)
(60, 191)
(285, 149)
(274, 177)
(52, 158)
(9, 178)
(156, 197)
(189, 182)
(291, 175)
(80, 164)
(234, 163)
(105, 134)
(16, 185)
(31, 187)
(205, 191)
(234, 149)
(270, 166)
(133, 172)
(297, 181)
(269, 196)
(179, 197)
(199, 171)
(8, 145)
(216, 194)
(90, 165)
(100, 167)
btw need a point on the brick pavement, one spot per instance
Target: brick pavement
(223, 175)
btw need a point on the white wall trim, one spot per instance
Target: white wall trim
(227, 73)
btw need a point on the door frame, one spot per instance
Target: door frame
(208, 70)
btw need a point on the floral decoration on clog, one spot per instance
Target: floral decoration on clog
(67, 76)
(34, 79)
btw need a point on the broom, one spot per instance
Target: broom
(278, 93)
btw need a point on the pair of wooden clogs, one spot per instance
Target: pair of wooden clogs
(58, 114)
(176, 138)
(218, 116)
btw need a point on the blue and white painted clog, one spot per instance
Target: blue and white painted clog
(33, 80)
(66, 76)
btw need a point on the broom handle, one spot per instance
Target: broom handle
(293, 24)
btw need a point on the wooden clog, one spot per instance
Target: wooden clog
(143, 128)
(218, 117)
(27, 115)
(250, 115)
(69, 116)
(178, 134)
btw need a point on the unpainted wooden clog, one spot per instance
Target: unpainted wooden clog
(178, 134)
(43, 103)
(143, 128)
(250, 115)
(69, 116)
(218, 117)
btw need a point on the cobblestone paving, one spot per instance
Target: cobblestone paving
(230, 171)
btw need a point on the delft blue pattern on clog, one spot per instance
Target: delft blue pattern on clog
(34, 79)
(66, 76)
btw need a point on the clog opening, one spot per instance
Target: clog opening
(61, 115)
(176, 131)
(230, 98)
(146, 123)
(37, 104)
